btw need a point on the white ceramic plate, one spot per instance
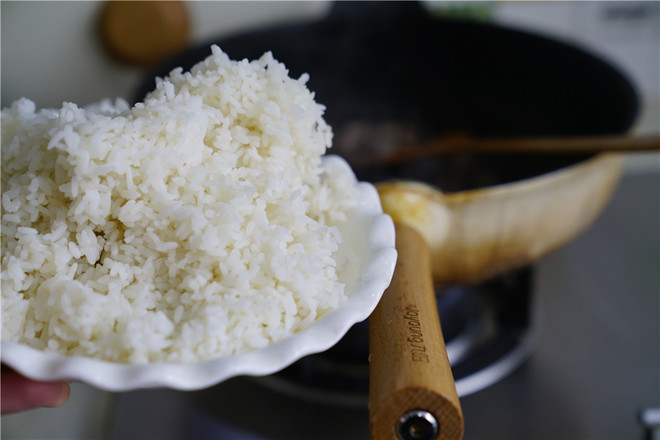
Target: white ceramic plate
(368, 247)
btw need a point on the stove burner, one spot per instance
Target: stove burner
(487, 333)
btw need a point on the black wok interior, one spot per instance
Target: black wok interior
(392, 75)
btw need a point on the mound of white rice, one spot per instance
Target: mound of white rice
(191, 226)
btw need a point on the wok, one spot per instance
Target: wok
(392, 75)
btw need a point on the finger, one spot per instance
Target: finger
(20, 393)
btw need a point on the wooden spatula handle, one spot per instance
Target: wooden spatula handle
(408, 365)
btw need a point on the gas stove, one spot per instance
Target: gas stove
(488, 333)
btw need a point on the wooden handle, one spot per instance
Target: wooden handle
(408, 364)
(144, 32)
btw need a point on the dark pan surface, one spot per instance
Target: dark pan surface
(391, 75)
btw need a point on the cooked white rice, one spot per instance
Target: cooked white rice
(194, 225)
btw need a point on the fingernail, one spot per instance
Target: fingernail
(61, 396)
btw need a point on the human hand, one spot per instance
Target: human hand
(20, 393)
